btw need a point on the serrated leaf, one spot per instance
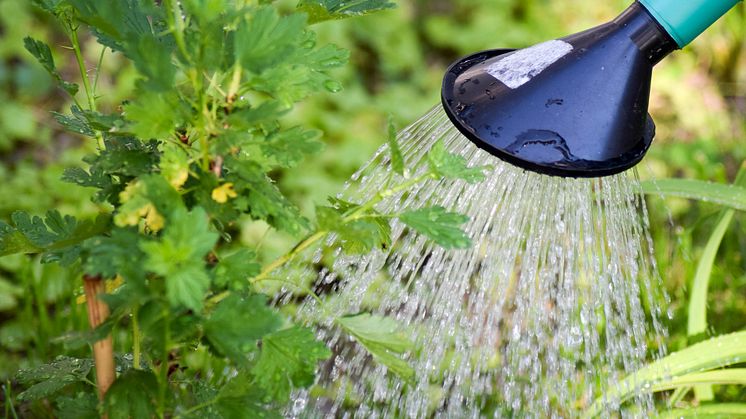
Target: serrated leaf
(155, 115)
(237, 323)
(240, 398)
(74, 124)
(13, 241)
(397, 160)
(118, 254)
(43, 54)
(58, 238)
(132, 395)
(82, 406)
(289, 147)
(439, 225)
(80, 177)
(114, 23)
(452, 166)
(321, 10)
(128, 156)
(267, 39)
(250, 117)
(47, 5)
(263, 200)
(357, 236)
(382, 337)
(234, 270)
(179, 257)
(287, 361)
(48, 379)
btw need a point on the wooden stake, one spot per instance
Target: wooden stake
(103, 350)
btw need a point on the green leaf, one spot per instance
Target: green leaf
(288, 360)
(58, 238)
(321, 10)
(234, 270)
(13, 241)
(397, 160)
(717, 193)
(715, 353)
(128, 156)
(132, 395)
(707, 411)
(261, 197)
(155, 114)
(237, 323)
(82, 406)
(114, 22)
(43, 54)
(452, 166)
(697, 317)
(357, 236)
(76, 123)
(382, 337)
(733, 376)
(289, 147)
(240, 398)
(268, 39)
(439, 225)
(118, 254)
(48, 379)
(179, 257)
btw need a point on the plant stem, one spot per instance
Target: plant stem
(81, 67)
(135, 340)
(163, 370)
(103, 351)
(98, 71)
(176, 26)
(359, 213)
(198, 407)
(9, 408)
(282, 260)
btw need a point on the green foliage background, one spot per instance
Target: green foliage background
(396, 64)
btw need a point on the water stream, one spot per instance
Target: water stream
(550, 304)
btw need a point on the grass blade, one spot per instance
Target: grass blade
(727, 195)
(722, 410)
(712, 354)
(735, 376)
(697, 316)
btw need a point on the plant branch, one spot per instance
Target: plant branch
(358, 213)
(136, 357)
(81, 66)
(103, 351)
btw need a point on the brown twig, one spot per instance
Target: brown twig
(103, 350)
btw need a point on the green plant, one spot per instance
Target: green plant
(189, 155)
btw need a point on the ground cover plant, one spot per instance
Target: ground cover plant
(200, 177)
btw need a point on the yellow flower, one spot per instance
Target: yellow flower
(223, 192)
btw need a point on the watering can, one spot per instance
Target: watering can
(575, 106)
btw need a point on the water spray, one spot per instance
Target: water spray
(575, 106)
(559, 296)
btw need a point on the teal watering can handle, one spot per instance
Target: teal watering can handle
(685, 20)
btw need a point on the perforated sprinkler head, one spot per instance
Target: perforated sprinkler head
(576, 106)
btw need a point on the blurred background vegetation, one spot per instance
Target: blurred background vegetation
(397, 61)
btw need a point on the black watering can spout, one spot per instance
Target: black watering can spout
(575, 106)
